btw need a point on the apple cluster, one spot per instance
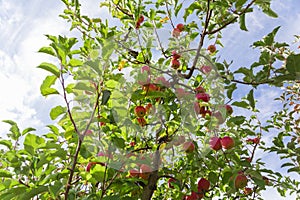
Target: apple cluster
(217, 143)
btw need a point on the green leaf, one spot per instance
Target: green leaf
(241, 104)
(6, 143)
(27, 130)
(293, 65)
(32, 142)
(56, 111)
(269, 39)
(242, 22)
(250, 98)
(5, 173)
(46, 86)
(47, 50)
(75, 62)
(14, 129)
(105, 97)
(230, 90)
(33, 192)
(238, 120)
(50, 68)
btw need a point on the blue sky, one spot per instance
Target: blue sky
(24, 23)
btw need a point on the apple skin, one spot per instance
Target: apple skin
(227, 142)
(175, 55)
(175, 64)
(229, 109)
(145, 69)
(203, 96)
(180, 27)
(240, 180)
(203, 185)
(211, 48)
(140, 111)
(176, 32)
(188, 146)
(215, 143)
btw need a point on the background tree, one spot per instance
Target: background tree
(150, 115)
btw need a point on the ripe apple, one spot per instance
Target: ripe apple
(170, 182)
(256, 140)
(175, 64)
(180, 27)
(134, 173)
(219, 117)
(229, 109)
(215, 143)
(203, 96)
(140, 111)
(240, 180)
(211, 48)
(188, 146)
(89, 132)
(203, 185)
(176, 32)
(175, 55)
(227, 142)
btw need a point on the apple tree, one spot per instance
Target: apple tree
(150, 111)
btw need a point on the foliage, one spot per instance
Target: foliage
(142, 106)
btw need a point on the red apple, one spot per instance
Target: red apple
(188, 146)
(175, 64)
(240, 180)
(215, 143)
(256, 140)
(227, 142)
(203, 96)
(180, 27)
(203, 185)
(175, 55)
(229, 109)
(140, 111)
(211, 48)
(176, 32)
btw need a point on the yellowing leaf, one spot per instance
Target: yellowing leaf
(164, 20)
(121, 65)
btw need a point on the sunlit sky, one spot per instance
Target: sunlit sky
(24, 23)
